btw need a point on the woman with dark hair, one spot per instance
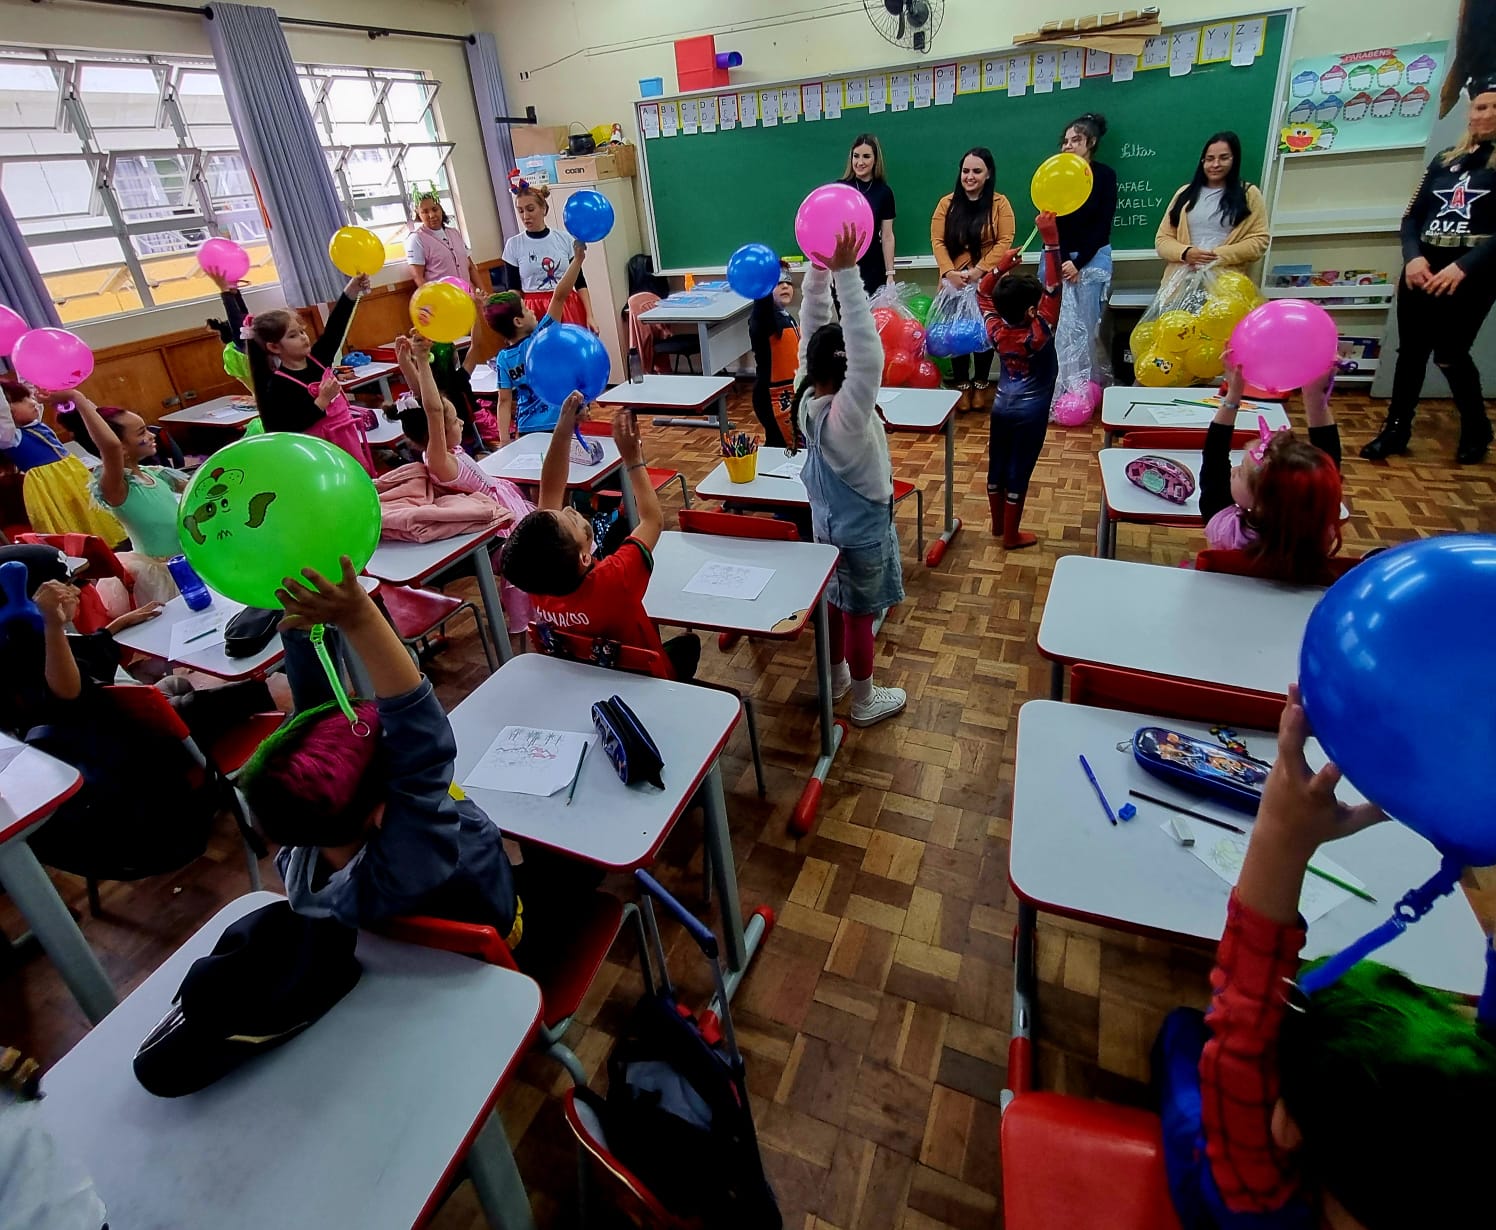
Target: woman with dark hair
(1086, 261)
(435, 248)
(971, 230)
(865, 173)
(1448, 283)
(1215, 218)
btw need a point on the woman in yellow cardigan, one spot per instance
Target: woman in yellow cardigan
(1215, 218)
(971, 230)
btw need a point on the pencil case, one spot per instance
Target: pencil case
(628, 745)
(1200, 767)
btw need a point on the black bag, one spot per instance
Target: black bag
(250, 631)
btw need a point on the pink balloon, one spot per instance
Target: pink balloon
(1072, 409)
(224, 258)
(52, 359)
(1093, 394)
(1285, 343)
(11, 328)
(823, 214)
(454, 280)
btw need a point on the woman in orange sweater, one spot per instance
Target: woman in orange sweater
(971, 230)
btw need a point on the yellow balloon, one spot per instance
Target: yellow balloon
(1216, 319)
(1176, 330)
(1155, 370)
(1229, 282)
(1143, 338)
(1203, 359)
(355, 250)
(1062, 184)
(442, 312)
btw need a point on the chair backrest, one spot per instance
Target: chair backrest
(625, 1191)
(595, 427)
(1178, 438)
(102, 562)
(578, 648)
(1110, 687)
(736, 525)
(1241, 563)
(468, 939)
(149, 708)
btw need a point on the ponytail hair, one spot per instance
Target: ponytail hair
(264, 330)
(1295, 512)
(1091, 125)
(825, 363)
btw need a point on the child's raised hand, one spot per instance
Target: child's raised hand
(578, 249)
(57, 601)
(844, 255)
(358, 286)
(420, 346)
(1008, 260)
(572, 409)
(1048, 227)
(626, 436)
(316, 600)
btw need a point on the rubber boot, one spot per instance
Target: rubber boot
(1015, 539)
(1392, 439)
(1475, 439)
(996, 502)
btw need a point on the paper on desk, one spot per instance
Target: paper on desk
(1224, 852)
(719, 579)
(8, 753)
(790, 467)
(226, 412)
(528, 760)
(200, 631)
(524, 463)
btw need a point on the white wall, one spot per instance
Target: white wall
(61, 24)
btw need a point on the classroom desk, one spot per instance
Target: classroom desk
(1066, 859)
(1206, 626)
(231, 412)
(928, 410)
(686, 394)
(32, 786)
(207, 656)
(1133, 407)
(82, 454)
(520, 460)
(485, 379)
(765, 491)
(616, 826)
(361, 1121)
(1122, 500)
(415, 563)
(721, 320)
(387, 432)
(795, 593)
(373, 373)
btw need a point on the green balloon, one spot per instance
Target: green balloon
(944, 367)
(265, 507)
(920, 306)
(254, 427)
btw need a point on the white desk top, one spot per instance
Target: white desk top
(801, 570)
(658, 392)
(230, 411)
(608, 823)
(369, 373)
(410, 563)
(1128, 500)
(1065, 857)
(1207, 626)
(520, 460)
(719, 306)
(917, 409)
(356, 1122)
(784, 492)
(1126, 407)
(386, 432)
(31, 785)
(82, 454)
(484, 379)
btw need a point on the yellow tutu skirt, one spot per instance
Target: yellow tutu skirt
(58, 501)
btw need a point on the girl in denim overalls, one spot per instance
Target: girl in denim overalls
(847, 472)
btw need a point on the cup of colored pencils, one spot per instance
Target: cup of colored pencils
(740, 452)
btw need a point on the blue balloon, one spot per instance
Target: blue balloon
(564, 358)
(1396, 671)
(588, 215)
(753, 270)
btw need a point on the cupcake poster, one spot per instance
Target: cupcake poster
(1363, 100)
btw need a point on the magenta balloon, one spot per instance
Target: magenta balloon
(1284, 344)
(52, 359)
(823, 214)
(454, 280)
(225, 258)
(11, 328)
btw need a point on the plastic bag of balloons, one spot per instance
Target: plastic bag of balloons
(1084, 369)
(1189, 322)
(903, 338)
(955, 325)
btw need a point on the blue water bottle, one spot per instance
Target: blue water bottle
(197, 595)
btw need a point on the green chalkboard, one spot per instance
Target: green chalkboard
(711, 192)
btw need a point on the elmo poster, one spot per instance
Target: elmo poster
(1382, 98)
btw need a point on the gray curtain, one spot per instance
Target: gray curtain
(279, 139)
(21, 285)
(488, 97)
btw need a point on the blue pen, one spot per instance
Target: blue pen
(1096, 786)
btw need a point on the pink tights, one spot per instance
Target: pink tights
(852, 640)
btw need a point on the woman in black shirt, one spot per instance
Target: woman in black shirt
(1086, 255)
(1448, 283)
(865, 173)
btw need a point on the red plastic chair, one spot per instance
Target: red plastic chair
(418, 614)
(1240, 564)
(630, 1197)
(102, 564)
(1179, 438)
(1073, 1162)
(659, 478)
(564, 973)
(1111, 687)
(902, 490)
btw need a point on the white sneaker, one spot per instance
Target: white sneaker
(883, 703)
(841, 680)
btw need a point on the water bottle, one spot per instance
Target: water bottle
(636, 366)
(197, 595)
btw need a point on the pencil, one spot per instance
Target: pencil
(1185, 811)
(1185, 401)
(577, 776)
(1339, 883)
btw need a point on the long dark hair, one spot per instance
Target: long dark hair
(825, 363)
(1091, 125)
(1233, 191)
(968, 223)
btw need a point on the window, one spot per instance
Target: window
(379, 133)
(117, 168)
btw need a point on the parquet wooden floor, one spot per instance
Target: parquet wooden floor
(875, 1018)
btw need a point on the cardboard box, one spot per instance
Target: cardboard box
(538, 168)
(611, 162)
(537, 138)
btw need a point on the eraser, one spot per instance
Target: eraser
(1126, 812)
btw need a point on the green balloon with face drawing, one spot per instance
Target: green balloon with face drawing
(266, 507)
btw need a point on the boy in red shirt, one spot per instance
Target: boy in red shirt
(550, 554)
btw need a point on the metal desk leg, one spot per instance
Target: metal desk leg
(488, 589)
(1106, 532)
(717, 419)
(722, 422)
(1056, 681)
(936, 553)
(496, 1179)
(630, 506)
(1025, 1001)
(832, 731)
(740, 943)
(54, 928)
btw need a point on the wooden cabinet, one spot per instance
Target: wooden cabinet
(162, 374)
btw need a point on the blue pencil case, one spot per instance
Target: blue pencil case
(1201, 767)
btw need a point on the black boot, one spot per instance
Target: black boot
(1475, 440)
(1392, 439)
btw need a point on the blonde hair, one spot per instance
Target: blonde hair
(866, 138)
(1467, 145)
(539, 191)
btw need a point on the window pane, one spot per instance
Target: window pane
(426, 164)
(52, 196)
(371, 172)
(117, 98)
(200, 98)
(88, 280)
(410, 118)
(155, 186)
(28, 95)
